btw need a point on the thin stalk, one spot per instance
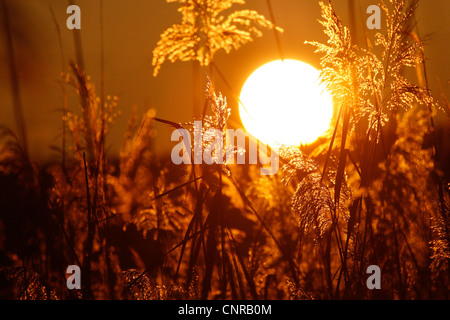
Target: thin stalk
(63, 90)
(277, 36)
(196, 88)
(91, 230)
(222, 238)
(78, 47)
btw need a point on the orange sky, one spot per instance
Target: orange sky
(132, 29)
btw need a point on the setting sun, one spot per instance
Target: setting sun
(283, 102)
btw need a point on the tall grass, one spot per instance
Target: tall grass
(375, 209)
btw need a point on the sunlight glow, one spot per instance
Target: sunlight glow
(283, 102)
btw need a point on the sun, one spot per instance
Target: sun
(283, 102)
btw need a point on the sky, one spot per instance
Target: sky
(131, 31)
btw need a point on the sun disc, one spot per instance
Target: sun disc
(283, 102)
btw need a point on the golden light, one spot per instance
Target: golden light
(283, 102)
